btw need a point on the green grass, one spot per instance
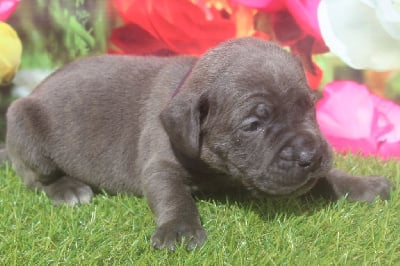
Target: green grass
(117, 230)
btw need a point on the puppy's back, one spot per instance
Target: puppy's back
(92, 114)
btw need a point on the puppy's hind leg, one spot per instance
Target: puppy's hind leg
(67, 190)
(60, 188)
(28, 150)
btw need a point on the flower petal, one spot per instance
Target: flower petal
(7, 7)
(132, 39)
(10, 53)
(353, 119)
(181, 25)
(353, 31)
(388, 13)
(264, 5)
(390, 140)
(305, 14)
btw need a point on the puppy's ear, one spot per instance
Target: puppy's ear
(182, 121)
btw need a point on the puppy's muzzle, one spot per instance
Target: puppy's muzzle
(304, 151)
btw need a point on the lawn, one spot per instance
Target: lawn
(116, 230)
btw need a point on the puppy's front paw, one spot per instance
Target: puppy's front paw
(174, 232)
(338, 184)
(369, 188)
(360, 188)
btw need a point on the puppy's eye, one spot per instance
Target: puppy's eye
(251, 124)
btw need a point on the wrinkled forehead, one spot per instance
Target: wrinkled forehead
(260, 60)
(279, 89)
(282, 79)
(245, 67)
(270, 73)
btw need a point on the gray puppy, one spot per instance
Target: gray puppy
(239, 117)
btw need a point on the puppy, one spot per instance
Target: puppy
(239, 117)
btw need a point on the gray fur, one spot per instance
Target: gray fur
(240, 117)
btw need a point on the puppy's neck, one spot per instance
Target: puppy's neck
(178, 88)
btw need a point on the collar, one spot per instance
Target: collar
(178, 88)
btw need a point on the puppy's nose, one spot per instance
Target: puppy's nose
(303, 150)
(306, 158)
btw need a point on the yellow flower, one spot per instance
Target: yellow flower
(10, 53)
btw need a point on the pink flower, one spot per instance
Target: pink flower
(7, 7)
(354, 120)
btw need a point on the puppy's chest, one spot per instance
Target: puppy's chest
(214, 183)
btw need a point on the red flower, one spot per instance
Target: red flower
(295, 23)
(181, 27)
(178, 26)
(132, 39)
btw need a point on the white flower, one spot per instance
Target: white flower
(365, 34)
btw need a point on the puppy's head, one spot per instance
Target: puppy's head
(246, 110)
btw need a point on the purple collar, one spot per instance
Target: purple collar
(177, 90)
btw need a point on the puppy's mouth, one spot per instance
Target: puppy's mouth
(304, 188)
(297, 167)
(290, 179)
(279, 190)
